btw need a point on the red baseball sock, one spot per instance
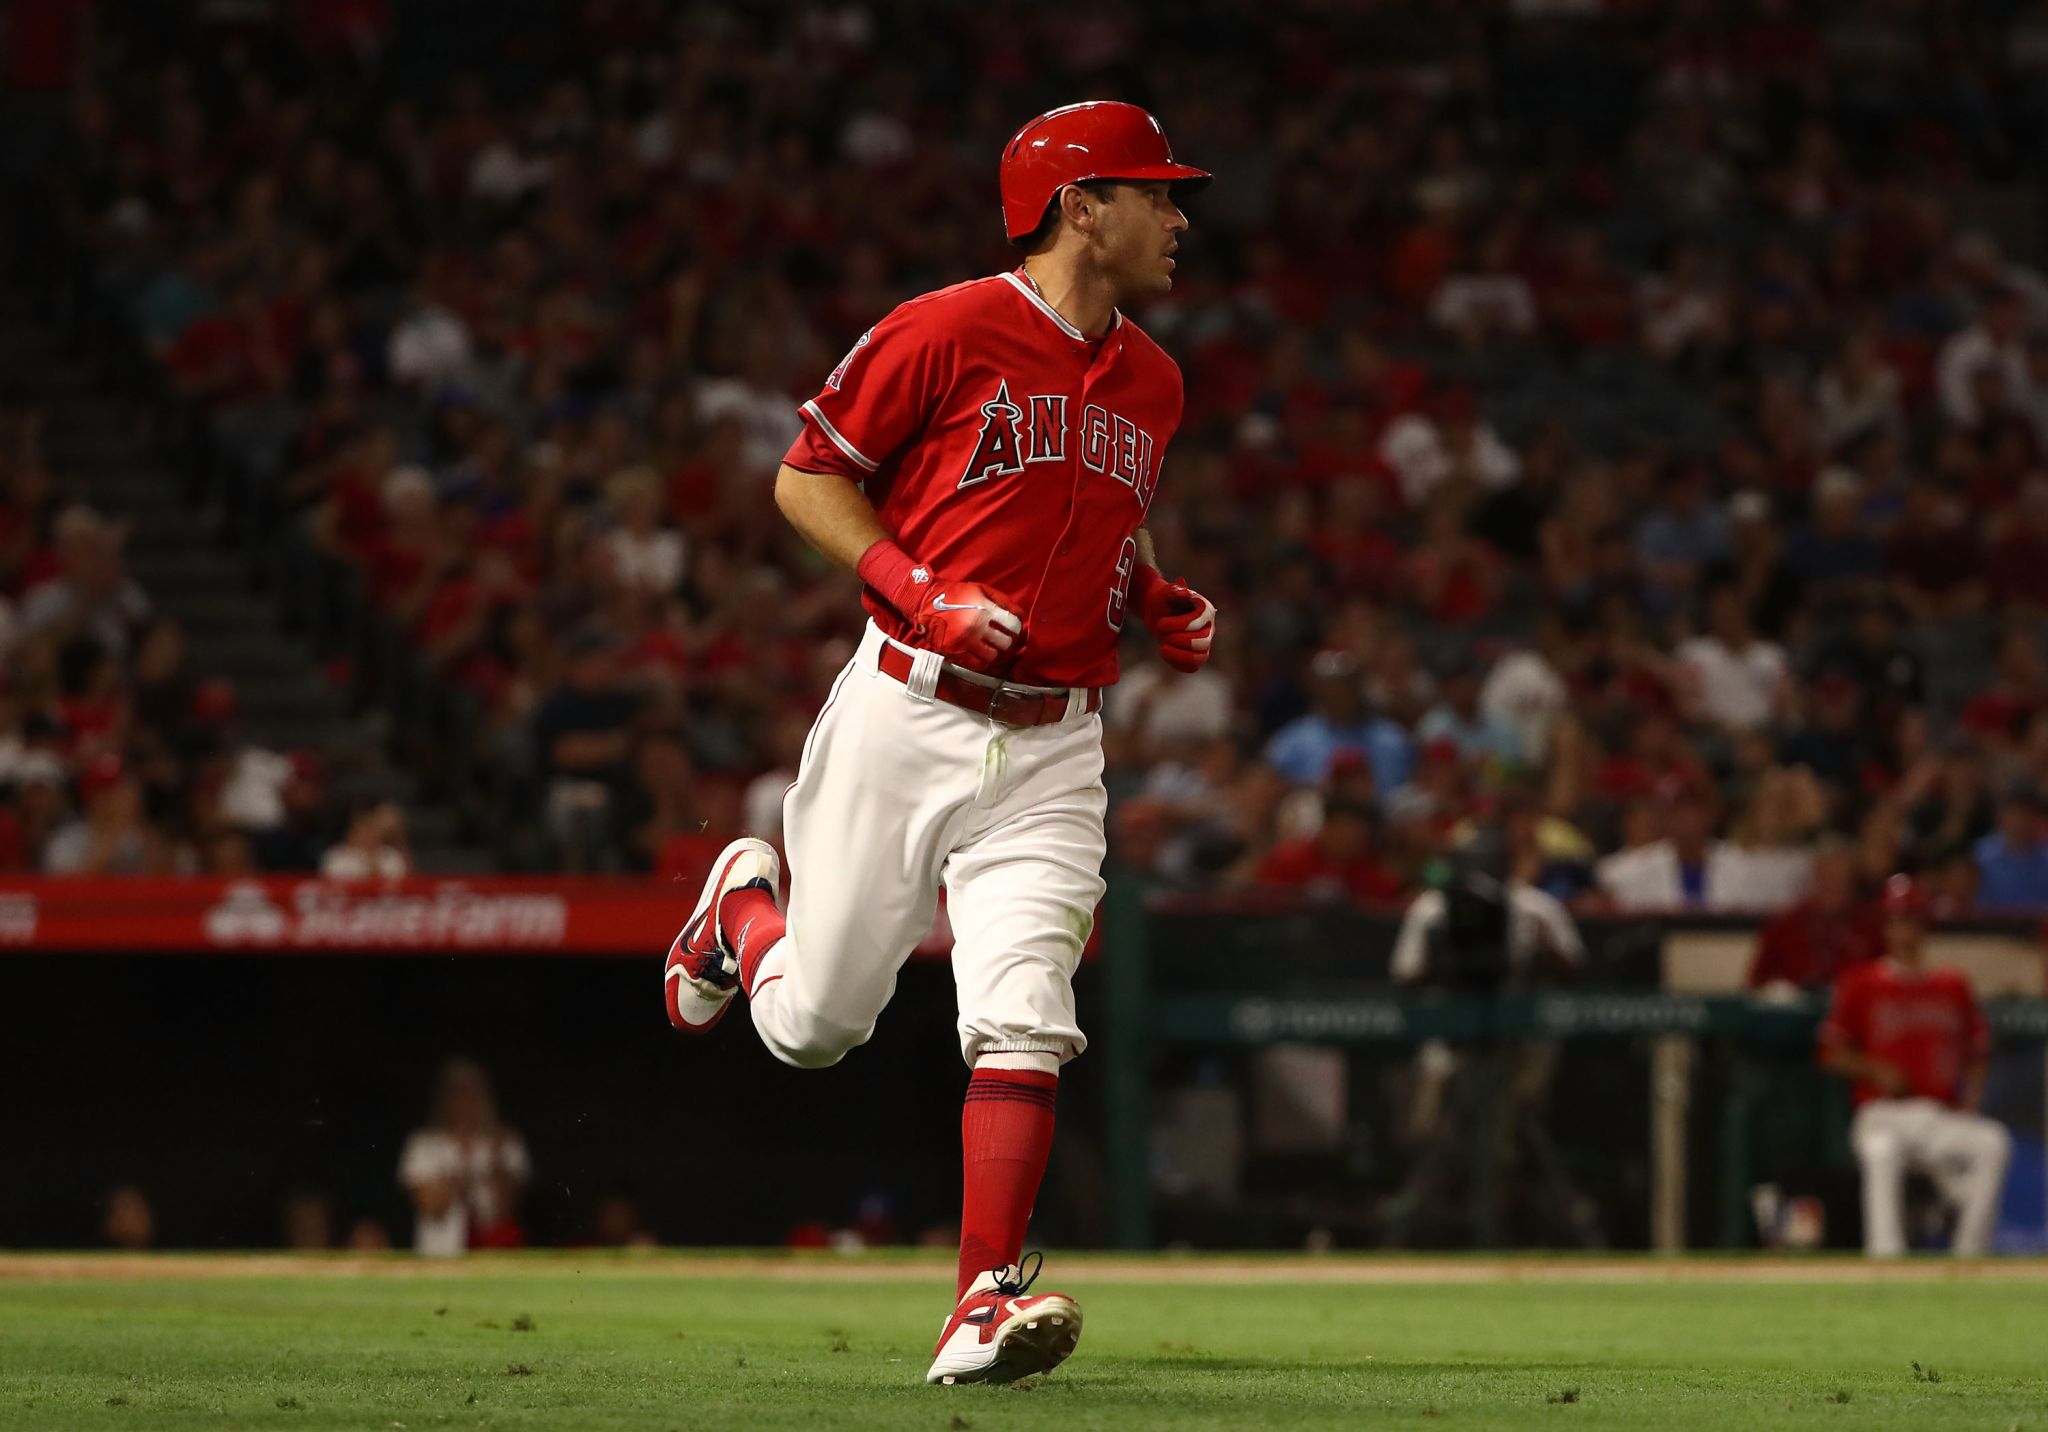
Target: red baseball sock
(752, 925)
(1005, 1137)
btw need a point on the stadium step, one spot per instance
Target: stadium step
(447, 859)
(52, 383)
(175, 552)
(133, 485)
(90, 437)
(184, 565)
(433, 825)
(241, 657)
(291, 688)
(208, 608)
(145, 539)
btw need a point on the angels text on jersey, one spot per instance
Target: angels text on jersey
(1013, 437)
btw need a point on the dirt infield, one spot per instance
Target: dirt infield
(1162, 1268)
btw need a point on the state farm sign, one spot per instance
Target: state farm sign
(342, 917)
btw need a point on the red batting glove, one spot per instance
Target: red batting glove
(967, 623)
(1181, 620)
(964, 622)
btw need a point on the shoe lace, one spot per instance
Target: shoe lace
(717, 966)
(1014, 1287)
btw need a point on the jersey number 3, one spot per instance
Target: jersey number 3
(1120, 584)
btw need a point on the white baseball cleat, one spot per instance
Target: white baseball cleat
(702, 971)
(1002, 1331)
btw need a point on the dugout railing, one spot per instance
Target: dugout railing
(1240, 975)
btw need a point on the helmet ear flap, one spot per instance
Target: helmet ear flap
(1048, 217)
(1049, 220)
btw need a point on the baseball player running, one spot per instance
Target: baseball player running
(984, 457)
(1916, 1045)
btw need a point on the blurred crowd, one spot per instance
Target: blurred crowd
(1624, 421)
(118, 755)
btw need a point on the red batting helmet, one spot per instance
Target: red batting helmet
(1098, 139)
(1904, 898)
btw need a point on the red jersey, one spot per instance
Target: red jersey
(1808, 948)
(1001, 445)
(1924, 1023)
(1302, 865)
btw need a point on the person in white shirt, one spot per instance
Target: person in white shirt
(1540, 931)
(1450, 442)
(1859, 394)
(465, 1171)
(1980, 261)
(1689, 869)
(1164, 709)
(1682, 307)
(756, 398)
(1733, 677)
(2034, 405)
(1485, 931)
(1523, 696)
(252, 797)
(430, 346)
(646, 556)
(761, 802)
(374, 847)
(90, 593)
(1997, 340)
(1491, 300)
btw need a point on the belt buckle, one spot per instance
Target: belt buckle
(1002, 702)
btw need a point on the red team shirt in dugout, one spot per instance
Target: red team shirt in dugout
(1926, 1024)
(1001, 445)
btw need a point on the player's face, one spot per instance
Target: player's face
(1135, 236)
(1902, 937)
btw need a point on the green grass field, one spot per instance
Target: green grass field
(676, 1341)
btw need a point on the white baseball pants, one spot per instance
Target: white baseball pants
(1965, 1154)
(896, 793)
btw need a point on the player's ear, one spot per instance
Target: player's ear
(1077, 207)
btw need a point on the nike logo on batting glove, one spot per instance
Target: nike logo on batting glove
(975, 631)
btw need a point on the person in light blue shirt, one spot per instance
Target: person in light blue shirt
(1456, 716)
(2012, 861)
(180, 295)
(1679, 539)
(1338, 721)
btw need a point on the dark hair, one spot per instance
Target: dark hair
(1049, 221)
(1348, 810)
(77, 659)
